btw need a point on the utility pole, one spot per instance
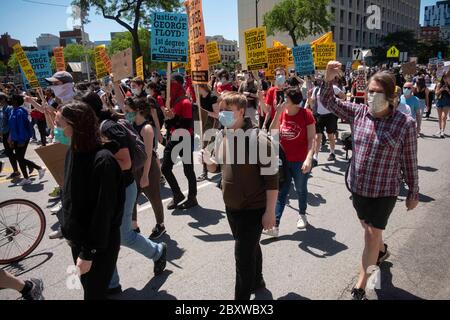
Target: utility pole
(84, 42)
(256, 5)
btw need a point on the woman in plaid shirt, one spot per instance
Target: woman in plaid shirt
(384, 150)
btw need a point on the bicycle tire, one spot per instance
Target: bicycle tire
(38, 240)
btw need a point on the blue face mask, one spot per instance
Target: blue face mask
(227, 118)
(407, 92)
(281, 80)
(130, 116)
(61, 137)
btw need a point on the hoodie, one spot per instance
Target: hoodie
(182, 108)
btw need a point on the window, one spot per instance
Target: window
(349, 51)
(357, 20)
(350, 4)
(341, 34)
(349, 18)
(357, 35)
(364, 36)
(349, 38)
(342, 16)
(357, 4)
(342, 2)
(341, 50)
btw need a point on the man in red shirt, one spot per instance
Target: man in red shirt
(274, 96)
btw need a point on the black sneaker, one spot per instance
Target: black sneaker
(260, 285)
(2, 164)
(382, 256)
(358, 294)
(315, 163)
(137, 230)
(114, 291)
(13, 175)
(190, 203)
(332, 157)
(157, 232)
(173, 204)
(160, 264)
(202, 177)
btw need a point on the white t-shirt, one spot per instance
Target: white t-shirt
(320, 107)
(404, 108)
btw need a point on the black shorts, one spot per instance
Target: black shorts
(375, 212)
(328, 121)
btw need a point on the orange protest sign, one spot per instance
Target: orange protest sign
(197, 42)
(140, 67)
(25, 64)
(58, 53)
(106, 60)
(100, 66)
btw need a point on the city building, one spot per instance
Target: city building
(47, 42)
(349, 26)
(229, 50)
(437, 15)
(72, 36)
(429, 33)
(444, 34)
(6, 47)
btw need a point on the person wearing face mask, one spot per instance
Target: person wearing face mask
(224, 84)
(272, 97)
(296, 126)
(249, 191)
(401, 106)
(443, 103)
(19, 138)
(179, 116)
(62, 85)
(384, 152)
(410, 100)
(137, 88)
(423, 94)
(249, 88)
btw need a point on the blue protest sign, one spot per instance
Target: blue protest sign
(41, 65)
(169, 37)
(303, 60)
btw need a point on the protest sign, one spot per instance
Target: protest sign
(276, 57)
(122, 64)
(355, 65)
(197, 41)
(348, 66)
(255, 48)
(213, 53)
(58, 53)
(40, 62)
(409, 68)
(25, 65)
(325, 53)
(361, 82)
(303, 58)
(326, 38)
(54, 156)
(106, 60)
(140, 67)
(169, 37)
(100, 66)
(291, 62)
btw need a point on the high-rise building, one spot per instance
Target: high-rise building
(72, 36)
(350, 24)
(47, 42)
(6, 47)
(228, 49)
(437, 15)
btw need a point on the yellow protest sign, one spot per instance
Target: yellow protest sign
(356, 64)
(58, 53)
(255, 48)
(277, 57)
(213, 53)
(290, 58)
(276, 43)
(25, 65)
(326, 38)
(140, 67)
(324, 53)
(100, 66)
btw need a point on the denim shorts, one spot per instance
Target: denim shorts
(444, 102)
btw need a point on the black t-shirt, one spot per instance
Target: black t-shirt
(293, 82)
(118, 137)
(208, 102)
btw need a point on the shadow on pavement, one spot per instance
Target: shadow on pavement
(293, 296)
(208, 237)
(312, 238)
(28, 264)
(149, 292)
(205, 217)
(388, 290)
(173, 251)
(422, 198)
(314, 199)
(427, 169)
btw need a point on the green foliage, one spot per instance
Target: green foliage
(3, 68)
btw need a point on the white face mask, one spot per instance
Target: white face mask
(136, 91)
(65, 92)
(377, 102)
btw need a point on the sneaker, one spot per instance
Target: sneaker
(114, 291)
(36, 290)
(33, 140)
(442, 135)
(137, 230)
(56, 193)
(382, 256)
(190, 203)
(173, 204)
(274, 232)
(332, 157)
(315, 163)
(157, 231)
(358, 294)
(13, 175)
(56, 234)
(302, 222)
(260, 285)
(438, 134)
(2, 164)
(24, 182)
(42, 173)
(56, 208)
(160, 264)
(202, 177)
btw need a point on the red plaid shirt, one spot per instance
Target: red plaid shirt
(383, 149)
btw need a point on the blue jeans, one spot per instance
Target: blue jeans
(131, 239)
(294, 171)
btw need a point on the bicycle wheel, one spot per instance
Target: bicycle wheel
(22, 226)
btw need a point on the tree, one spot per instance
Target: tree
(13, 64)
(130, 14)
(3, 68)
(299, 18)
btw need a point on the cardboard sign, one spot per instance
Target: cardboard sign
(122, 64)
(303, 58)
(325, 53)
(277, 57)
(361, 82)
(25, 65)
(58, 53)
(291, 62)
(140, 67)
(213, 53)
(255, 48)
(54, 156)
(40, 62)
(100, 66)
(409, 68)
(197, 42)
(169, 37)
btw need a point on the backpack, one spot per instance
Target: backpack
(136, 145)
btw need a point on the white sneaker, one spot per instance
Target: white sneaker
(438, 134)
(56, 234)
(42, 173)
(302, 222)
(272, 232)
(57, 208)
(24, 182)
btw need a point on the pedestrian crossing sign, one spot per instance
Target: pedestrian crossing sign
(393, 52)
